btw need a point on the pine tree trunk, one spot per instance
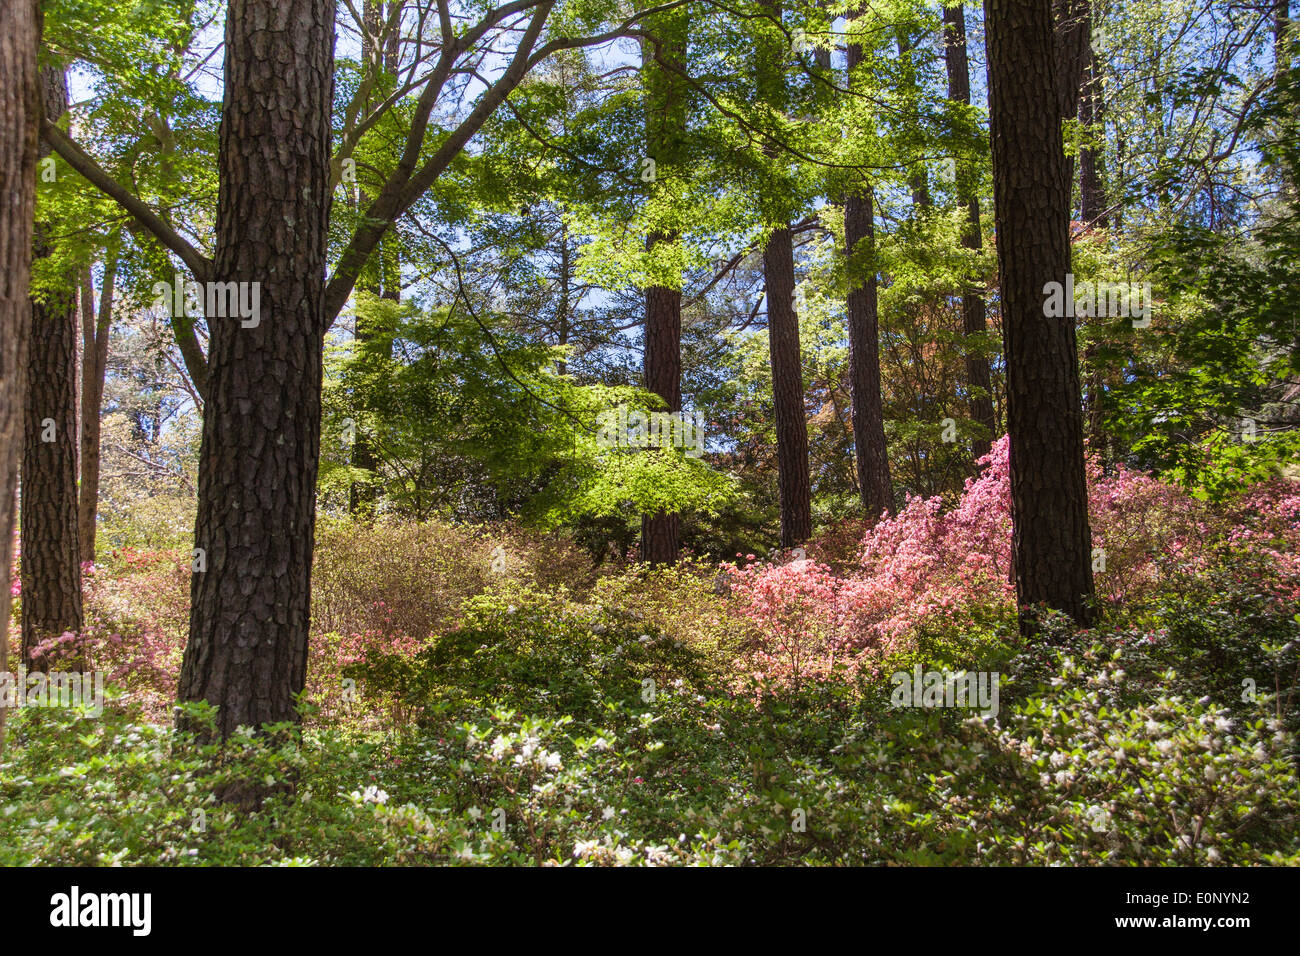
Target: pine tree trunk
(660, 532)
(864, 346)
(51, 561)
(1052, 542)
(1092, 191)
(665, 130)
(19, 105)
(973, 310)
(783, 321)
(787, 390)
(363, 494)
(1093, 206)
(94, 362)
(1071, 41)
(250, 608)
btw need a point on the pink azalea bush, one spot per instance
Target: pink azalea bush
(928, 564)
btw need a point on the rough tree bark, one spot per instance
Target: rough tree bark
(1052, 541)
(665, 130)
(94, 361)
(19, 116)
(783, 332)
(974, 314)
(248, 614)
(1092, 189)
(247, 650)
(787, 390)
(51, 552)
(864, 343)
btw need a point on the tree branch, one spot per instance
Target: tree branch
(81, 161)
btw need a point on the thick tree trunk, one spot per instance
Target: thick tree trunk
(864, 345)
(19, 123)
(973, 309)
(51, 560)
(94, 361)
(250, 608)
(665, 130)
(1052, 542)
(787, 390)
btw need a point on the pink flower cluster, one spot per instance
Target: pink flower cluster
(929, 563)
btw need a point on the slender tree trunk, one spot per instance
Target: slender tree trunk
(19, 116)
(973, 310)
(1052, 541)
(916, 177)
(1071, 41)
(1283, 58)
(787, 390)
(94, 362)
(665, 130)
(864, 343)
(1093, 206)
(783, 323)
(1092, 190)
(660, 532)
(51, 559)
(250, 608)
(562, 318)
(362, 494)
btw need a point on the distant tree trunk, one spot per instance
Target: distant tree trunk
(94, 362)
(973, 310)
(250, 608)
(916, 177)
(1052, 541)
(787, 390)
(660, 532)
(1283, 57)
(362, 494)
(19, 116)
(51, 553)
(665, 130)
(783, 325)
(1071, 41)
(1092, 190)
(864, 344)
(562, 310)
(1093, 206)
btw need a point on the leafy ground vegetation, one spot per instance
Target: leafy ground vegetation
(461, 709)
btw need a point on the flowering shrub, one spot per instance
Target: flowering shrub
(929, 564)
(802, 617)
(465, 708)
(1092, 764)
